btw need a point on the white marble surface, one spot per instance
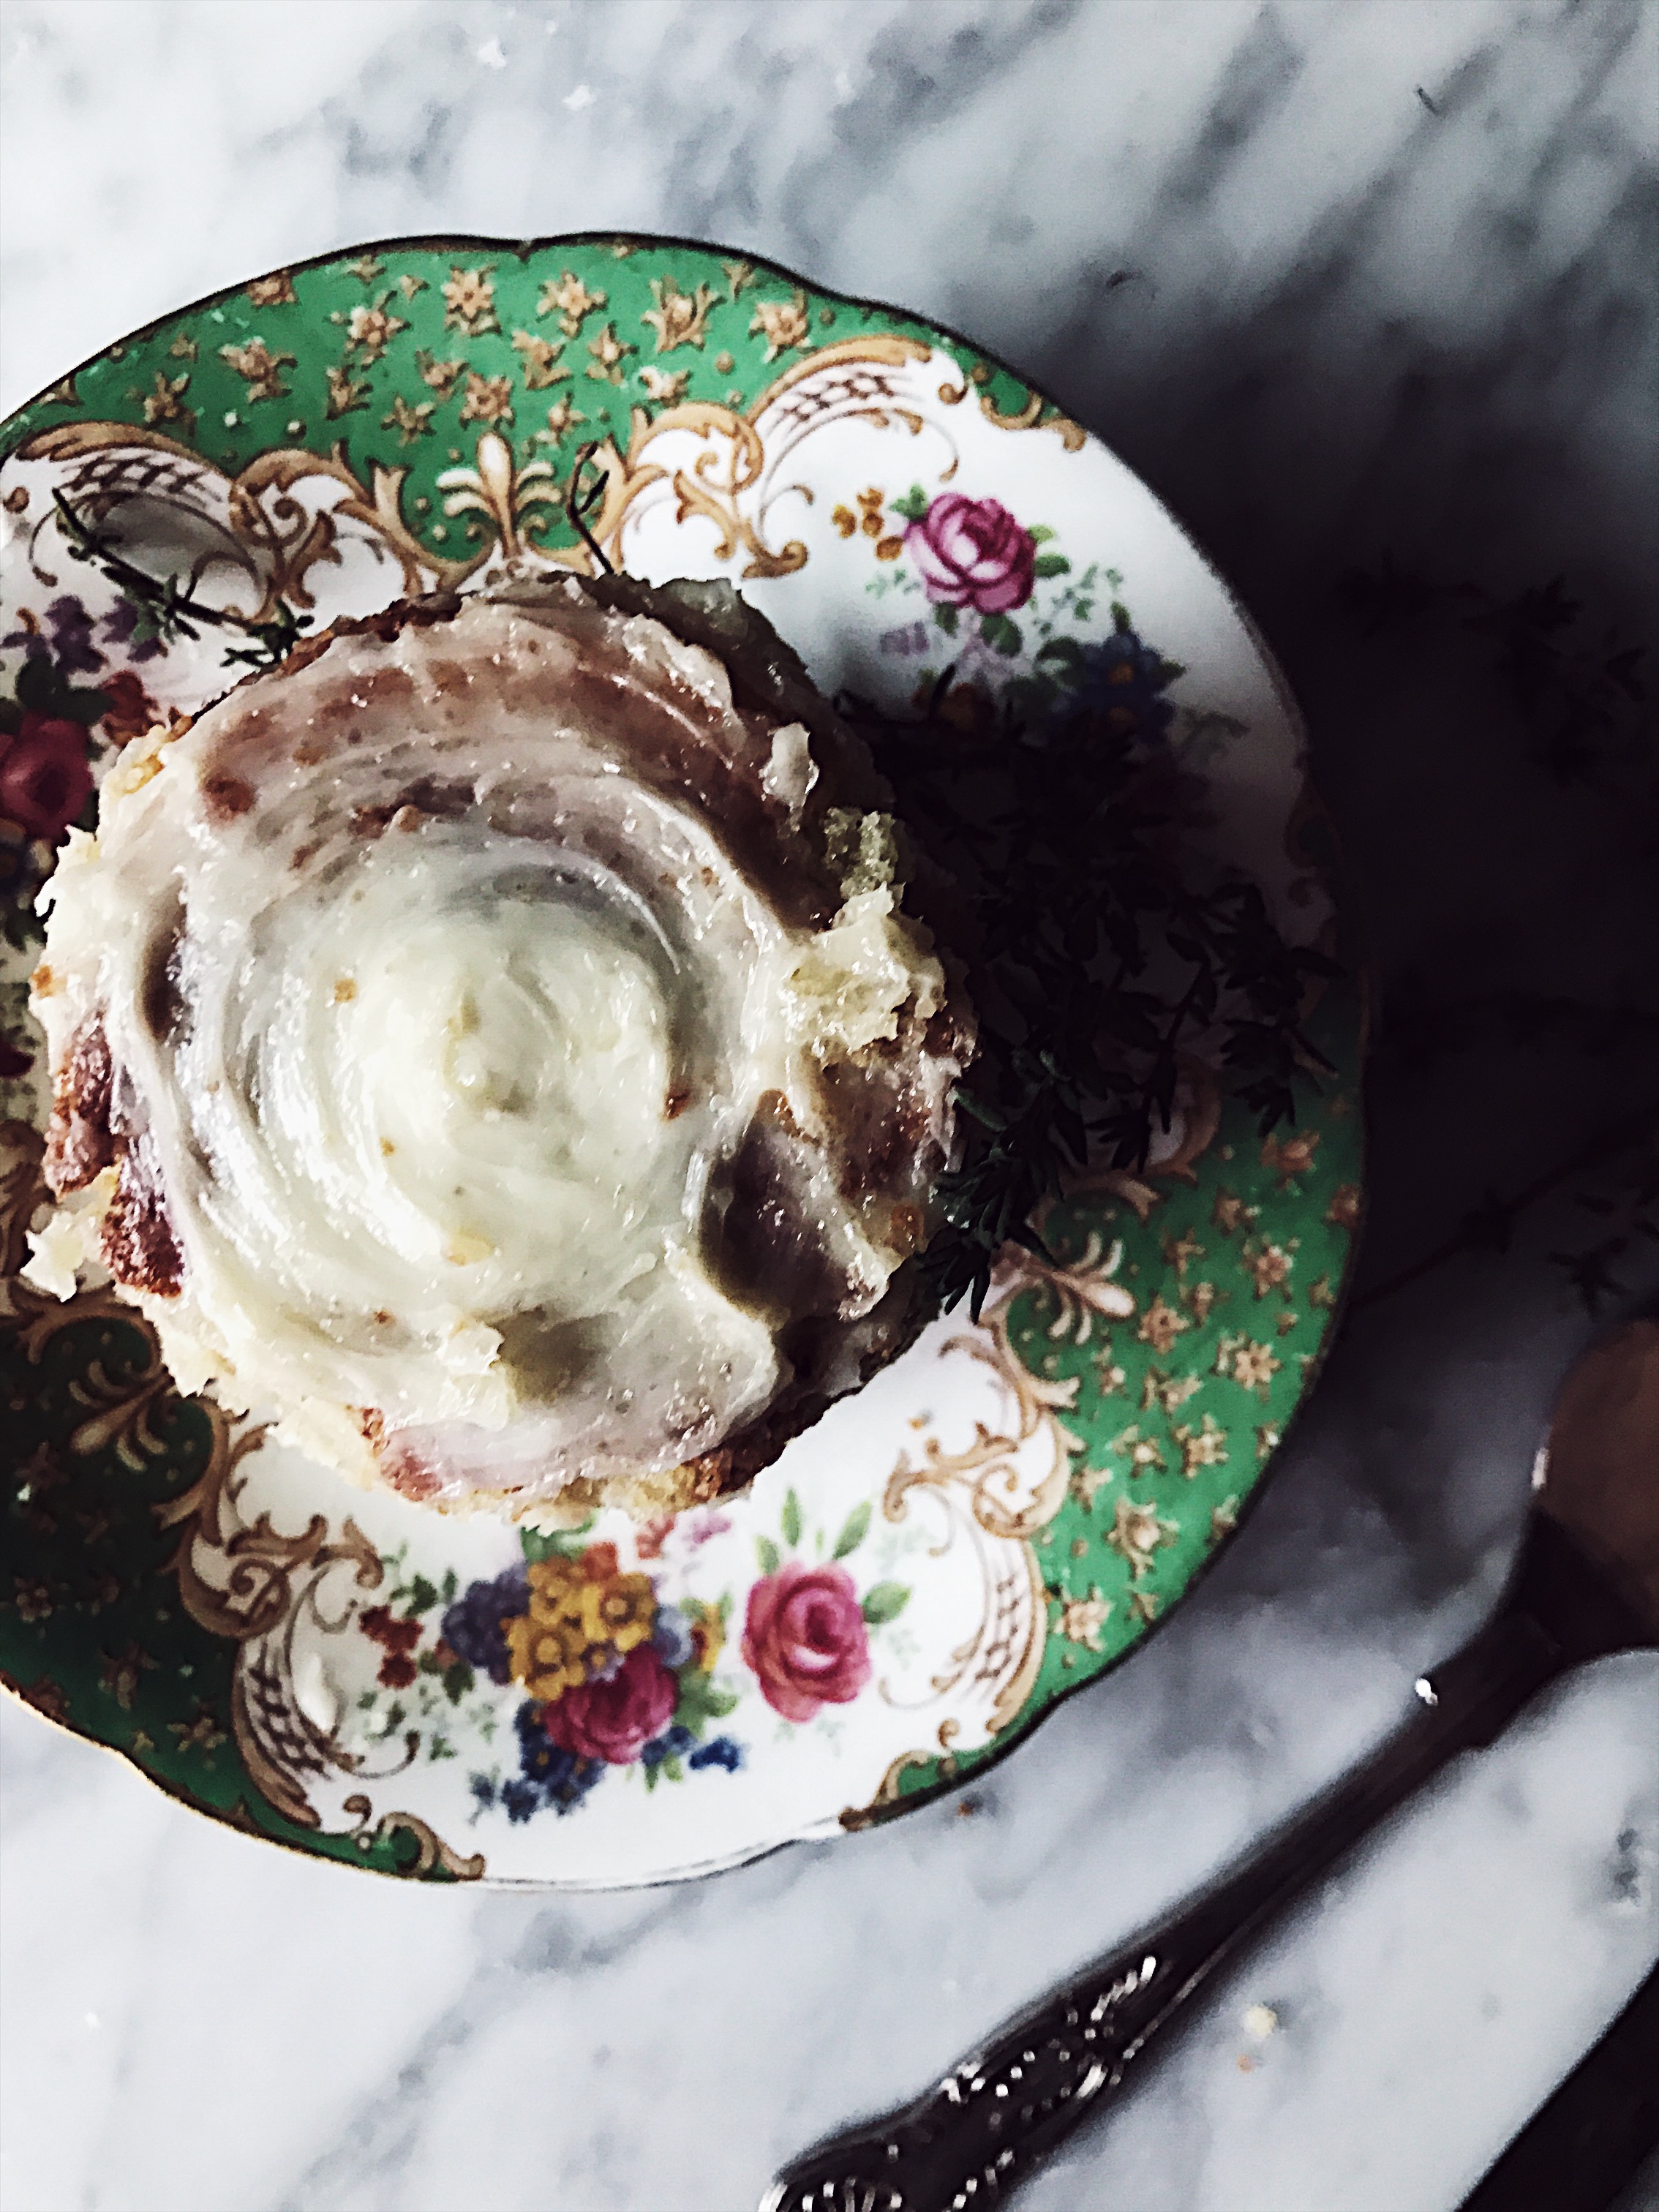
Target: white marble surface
(1346, 321)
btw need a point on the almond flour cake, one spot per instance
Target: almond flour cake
(503, 1043)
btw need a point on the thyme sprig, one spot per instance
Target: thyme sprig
(1100, 948)
(580, 500)
(167, 610)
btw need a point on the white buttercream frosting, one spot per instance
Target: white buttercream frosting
(443, 1029)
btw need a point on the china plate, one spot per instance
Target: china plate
(997, 1519)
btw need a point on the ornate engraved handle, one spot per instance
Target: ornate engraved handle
(973, 2138)
(995, 2116)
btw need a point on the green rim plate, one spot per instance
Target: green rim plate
(1003, 1515)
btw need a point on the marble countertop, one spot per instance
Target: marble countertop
(1335, 275)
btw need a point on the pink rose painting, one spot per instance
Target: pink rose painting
(805, 1639)
(44, 780)
(972, 553)
(614, 1719)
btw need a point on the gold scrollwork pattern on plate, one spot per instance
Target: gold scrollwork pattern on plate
(261, 536)
(266, 534)
(240, 1580)
(1037, 414)
(999, 1492)
(253, 532)
(734, 480)
(244, 1580)
(431, 1851)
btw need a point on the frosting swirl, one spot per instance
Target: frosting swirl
(498, 1041)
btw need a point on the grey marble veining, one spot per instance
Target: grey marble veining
(1334, 278)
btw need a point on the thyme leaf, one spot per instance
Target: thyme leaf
(167, 609)
(580, 500)
(1100, 947)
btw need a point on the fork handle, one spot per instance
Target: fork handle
(966, 2142)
